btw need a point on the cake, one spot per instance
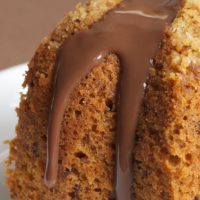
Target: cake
(165, 157)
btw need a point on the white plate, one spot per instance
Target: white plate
(10, 88)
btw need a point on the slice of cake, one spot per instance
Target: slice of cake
(78, 148)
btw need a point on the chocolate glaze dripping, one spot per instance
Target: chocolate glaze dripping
(131, 31)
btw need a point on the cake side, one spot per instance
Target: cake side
(87, 145)
(166, 163)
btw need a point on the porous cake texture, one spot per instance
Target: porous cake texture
(167, 153)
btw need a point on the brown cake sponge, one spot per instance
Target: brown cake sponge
(167, 152)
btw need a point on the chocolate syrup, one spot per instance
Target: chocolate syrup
(132, 31)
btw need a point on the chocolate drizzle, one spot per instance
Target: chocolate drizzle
(133, 32)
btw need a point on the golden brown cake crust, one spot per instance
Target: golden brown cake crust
(87, 147)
